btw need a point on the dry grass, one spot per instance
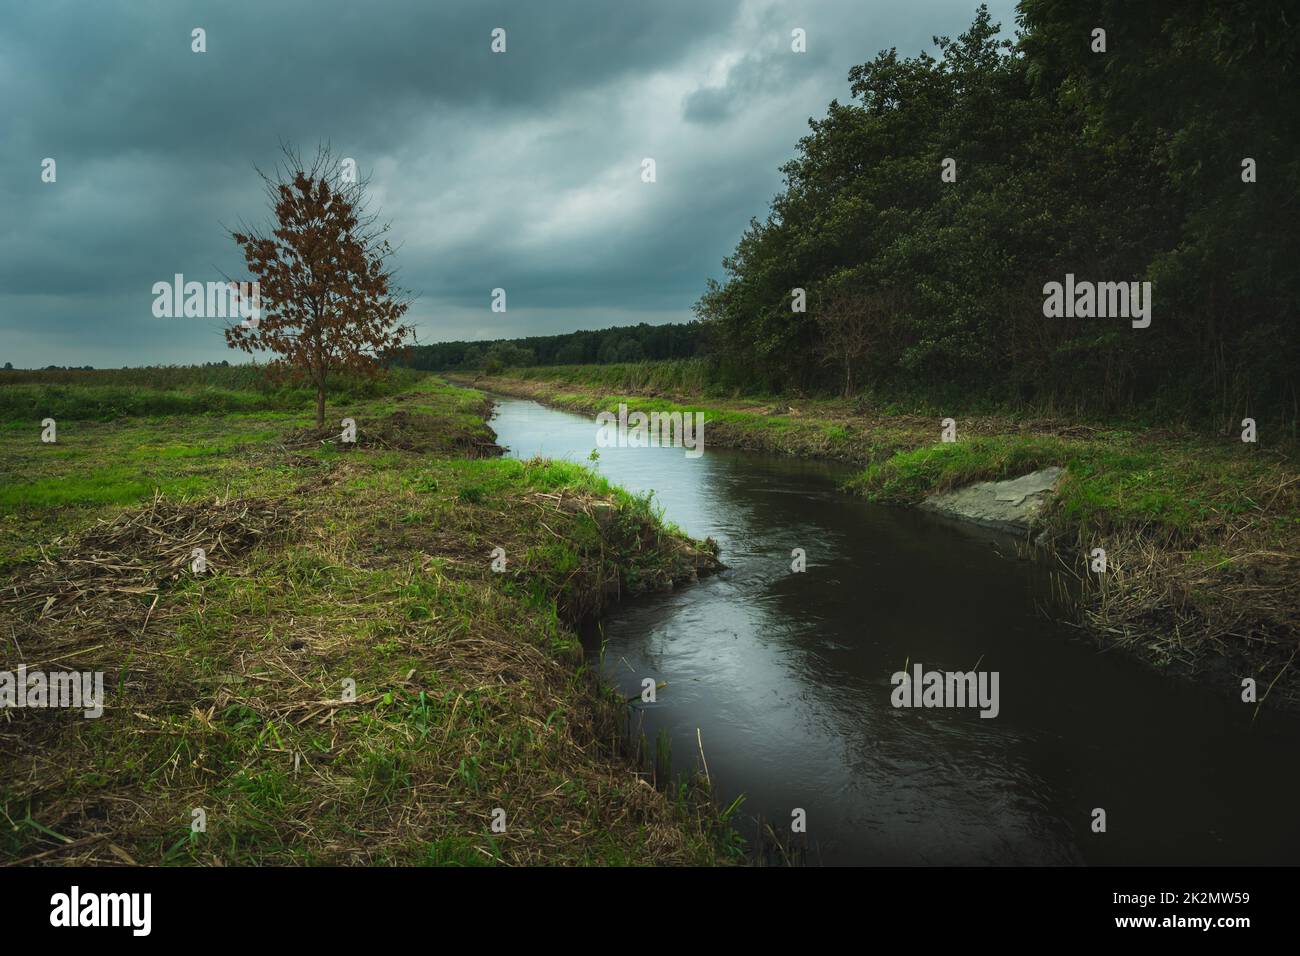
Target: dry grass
(107, 575)
(226, 690)
(401, 430)
(1236, 617)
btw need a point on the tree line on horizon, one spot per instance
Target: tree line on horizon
(630, 343)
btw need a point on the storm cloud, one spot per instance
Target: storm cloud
(518, 170)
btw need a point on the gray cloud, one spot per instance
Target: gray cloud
(519, 170)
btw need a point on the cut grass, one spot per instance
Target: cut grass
(228, 691)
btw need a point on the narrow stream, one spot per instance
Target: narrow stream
(787, 678)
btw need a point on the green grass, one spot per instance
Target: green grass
(1117, 480)
(909, 476)
(111, 394)
(470, 692)
(97, 464)
(110, 486)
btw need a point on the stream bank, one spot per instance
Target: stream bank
(1201, 535)
(779, 671)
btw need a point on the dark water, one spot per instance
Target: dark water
(787, 678)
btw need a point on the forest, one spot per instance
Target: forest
(925, 219)
(634, 343)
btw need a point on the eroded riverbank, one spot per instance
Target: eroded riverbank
(785, 678)
(1201, 535)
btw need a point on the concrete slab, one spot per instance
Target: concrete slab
(1009, 505)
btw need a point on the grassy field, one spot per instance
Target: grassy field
(111, 394)
(349, 680)
(1201, 531)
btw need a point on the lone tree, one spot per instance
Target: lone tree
(327, 299)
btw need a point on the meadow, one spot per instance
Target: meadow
(110, 394)
(344, 678)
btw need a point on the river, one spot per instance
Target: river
(786, 677)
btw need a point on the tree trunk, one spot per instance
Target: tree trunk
(320, 405)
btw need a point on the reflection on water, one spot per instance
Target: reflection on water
(787, 677)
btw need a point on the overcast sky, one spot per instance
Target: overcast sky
(519, 170)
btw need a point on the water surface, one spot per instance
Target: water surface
(786, 676)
